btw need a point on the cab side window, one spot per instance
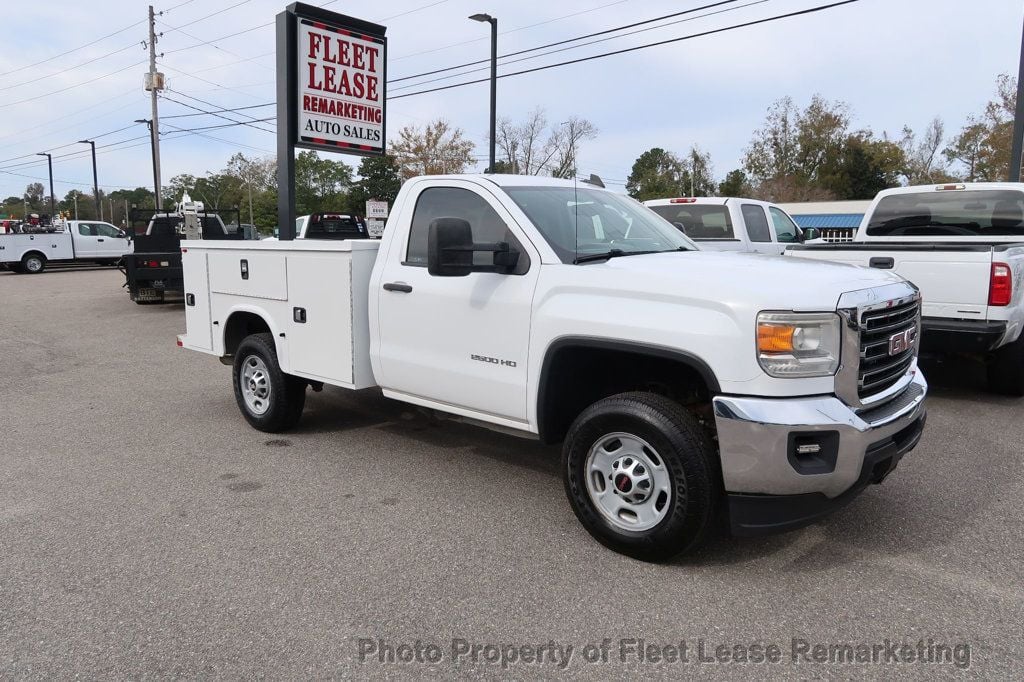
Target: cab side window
(103, 230)
(786, 231)
(455, 202)
(87, 230)
(757, 224)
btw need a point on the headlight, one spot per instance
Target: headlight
(791, 345)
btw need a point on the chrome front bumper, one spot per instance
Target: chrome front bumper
(757, 437)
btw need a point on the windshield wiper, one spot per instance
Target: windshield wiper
(615, 253)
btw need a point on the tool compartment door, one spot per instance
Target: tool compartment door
(320, 339)
(199, 333)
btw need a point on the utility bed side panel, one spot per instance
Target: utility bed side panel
(246, 273)
(55, 246)
(312, 295)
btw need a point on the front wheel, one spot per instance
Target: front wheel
(640, 475)
(269, 399)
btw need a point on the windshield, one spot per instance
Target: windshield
(972, 213)
(698, 221)
(583, 221)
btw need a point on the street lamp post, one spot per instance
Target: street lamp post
(152, 149)
(95, 182)
(49, 165)
(493, 21)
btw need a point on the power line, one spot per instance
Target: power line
(211, 113)
(593, 42)
(810, 10)
(207, 43)
(252, 106)
(569, 40)
(212, 14)
(513, 30)
(219, 139)
(224, 125)
(74, 49)
(71, 87)
(70, 68)
(218, 106)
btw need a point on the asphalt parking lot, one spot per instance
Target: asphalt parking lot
(146, 530)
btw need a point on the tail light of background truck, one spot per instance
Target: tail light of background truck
(1000, 286)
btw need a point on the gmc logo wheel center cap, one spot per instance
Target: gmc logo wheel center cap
(623, 483)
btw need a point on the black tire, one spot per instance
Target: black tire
(287, 394)
(679, 442)
(33, 263)
(1006, 369)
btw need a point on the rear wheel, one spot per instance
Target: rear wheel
(269, 399)
(640, 475)
(33, 263)
(1006, 369)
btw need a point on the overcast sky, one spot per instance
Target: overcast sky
(895, 62)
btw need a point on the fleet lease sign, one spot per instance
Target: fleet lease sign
(341, 86)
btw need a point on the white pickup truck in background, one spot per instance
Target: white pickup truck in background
(730, 224)
(672, 376)
(963, 246)
(328, 226)
(82, 241)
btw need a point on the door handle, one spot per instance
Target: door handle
(882, 262)
(398, 286)
(99, 240)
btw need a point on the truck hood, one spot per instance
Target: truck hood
(769, 282)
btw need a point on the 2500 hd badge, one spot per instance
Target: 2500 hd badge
(493, 361)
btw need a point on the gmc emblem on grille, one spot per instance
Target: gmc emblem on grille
(902, 341)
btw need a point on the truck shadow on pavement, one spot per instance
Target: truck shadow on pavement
(902, 516)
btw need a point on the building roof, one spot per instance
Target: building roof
(821, 220)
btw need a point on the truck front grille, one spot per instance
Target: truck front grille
(878, 369)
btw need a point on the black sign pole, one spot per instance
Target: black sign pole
(287, 96)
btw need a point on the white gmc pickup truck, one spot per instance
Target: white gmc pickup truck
(963, 246)
(683, 384)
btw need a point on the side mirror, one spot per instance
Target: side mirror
(810, 233)
(450, 250)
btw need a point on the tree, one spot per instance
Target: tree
(177, 186)
(437, 148)
(320, 184)
(968, 148)
(528, 147)
(923, 163)
(378, 179)
(698, 175)
(983, 146)
(566, 142)
(735, 184)
(217, 191)
(789, 154)
(656, 174)
(35, 193)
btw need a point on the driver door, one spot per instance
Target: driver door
(457, 341)
(109, 242)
